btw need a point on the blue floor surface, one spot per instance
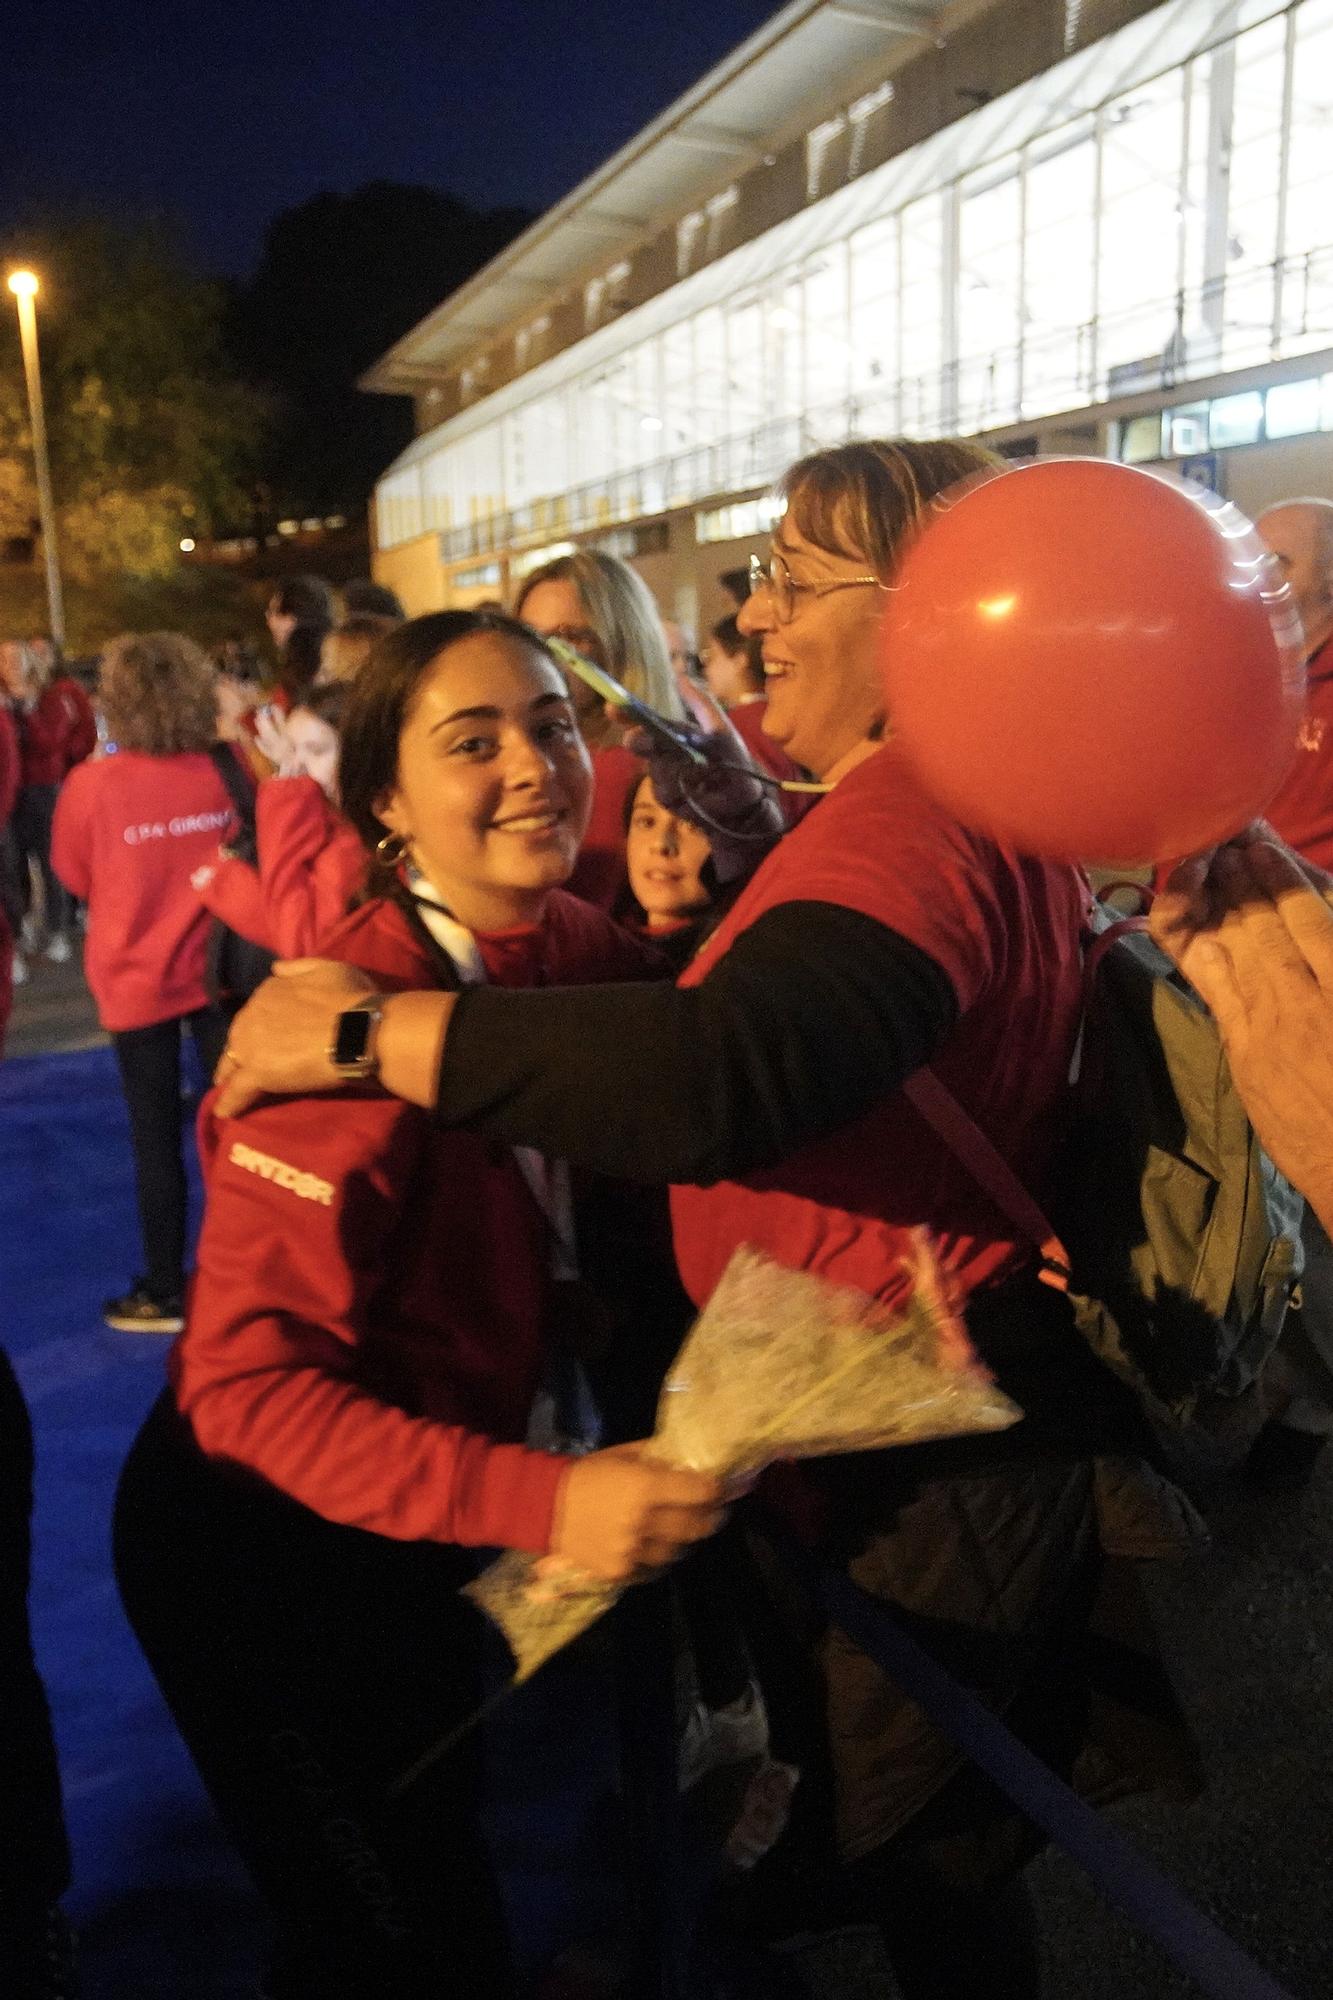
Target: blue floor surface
(162, 1906)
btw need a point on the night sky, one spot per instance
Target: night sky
(226, 112)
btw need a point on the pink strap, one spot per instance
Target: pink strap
(969, 1144)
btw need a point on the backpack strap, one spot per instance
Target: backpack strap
(970, 1146)
(227, 763)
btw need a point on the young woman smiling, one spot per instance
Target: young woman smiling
(353, 1402)
(878, 936)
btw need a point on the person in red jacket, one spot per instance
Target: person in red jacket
(311, 861)
(57, 730)
(877, 937)
(603, 609)
(11, 905)
(130, 829)
(367, 1389)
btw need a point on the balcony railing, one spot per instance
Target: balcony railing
(1263, 313)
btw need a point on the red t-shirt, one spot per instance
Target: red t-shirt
(129, 831)
(600, 875)
(368, 1319)
(1006, 933)
(1302, 812)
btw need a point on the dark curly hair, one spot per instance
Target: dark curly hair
(158, 692)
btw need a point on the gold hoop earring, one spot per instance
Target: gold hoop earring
(392, 848)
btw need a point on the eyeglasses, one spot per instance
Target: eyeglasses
(774, 577)
(582, 638)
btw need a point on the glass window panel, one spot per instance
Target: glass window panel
(1256, 144)
(678, 400)
(712, 403)
(745, 366)
(989, 302)
(784, 334)
(1236, 419)
(1142, 138)
(922, 314)
(874, 328)
(1292, 408)
(828, 354)
(1141, 439)
(1187, 430)
(1308, 224)
(1058, 278)
(1326, 403)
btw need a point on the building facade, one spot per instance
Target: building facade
(1094, 229)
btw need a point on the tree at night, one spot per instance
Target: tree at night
(153, 432)
(341, 278)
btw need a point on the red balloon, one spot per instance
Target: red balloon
(1090, 662)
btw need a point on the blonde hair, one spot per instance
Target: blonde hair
(345, 650)
(620, 609)
(867, 499)
(158, 692)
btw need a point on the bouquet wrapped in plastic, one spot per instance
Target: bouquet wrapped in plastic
(779, 1364)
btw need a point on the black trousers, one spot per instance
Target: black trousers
(308, 1667)
(34, 1855)
(150, 1076)
(33, 814)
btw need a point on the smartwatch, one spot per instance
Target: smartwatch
(353, 1050)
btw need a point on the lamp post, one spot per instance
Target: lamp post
(23, 284)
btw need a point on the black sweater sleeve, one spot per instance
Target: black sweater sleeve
(810, 1018)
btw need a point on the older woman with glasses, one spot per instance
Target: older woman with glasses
(876, 937)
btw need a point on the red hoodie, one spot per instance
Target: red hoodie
(11, 766)
(311, 863)
(57, 733)
(366, 1325)
(129, 832)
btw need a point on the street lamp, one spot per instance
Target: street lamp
(23, 284)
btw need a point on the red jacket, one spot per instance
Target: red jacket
(311, 863)
(366, 1323)
(1302, 812)
(57, 733)
(11, 766)
(129, 832)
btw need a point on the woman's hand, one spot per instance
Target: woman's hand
(281, 1042)
(271, 734)
(729, 798)
(621, 1514)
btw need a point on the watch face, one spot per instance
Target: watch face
(353, 1037)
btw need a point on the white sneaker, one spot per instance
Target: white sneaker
(20, 969)
(58, 950)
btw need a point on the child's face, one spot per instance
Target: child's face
(665, 857)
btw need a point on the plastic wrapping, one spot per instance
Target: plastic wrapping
(779, 1364)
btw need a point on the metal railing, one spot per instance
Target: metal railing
(1264, 313)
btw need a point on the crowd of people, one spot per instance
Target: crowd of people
(574, 1018)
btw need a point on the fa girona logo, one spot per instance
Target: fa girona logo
(1311, 736)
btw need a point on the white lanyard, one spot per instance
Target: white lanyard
(548, 1180)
